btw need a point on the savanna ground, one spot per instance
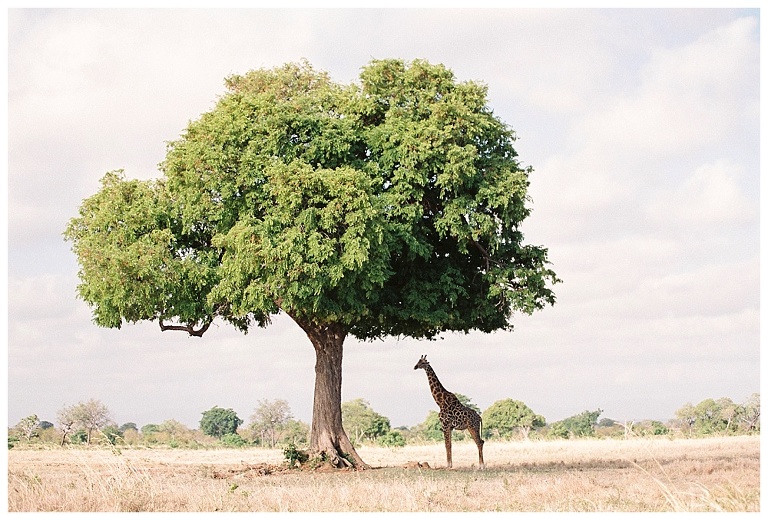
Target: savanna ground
(659, 474)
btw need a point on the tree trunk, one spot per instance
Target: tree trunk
(327, 434)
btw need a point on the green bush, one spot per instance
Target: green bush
(581, 425)
(392, 438)
(293, 455)
(111, 435)
(233, 440)
(79, 437)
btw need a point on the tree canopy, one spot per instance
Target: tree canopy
(269, 418)
(393, 207)
(505, 417)
(363, 422)
(385, 208)
(89, 415)
(579, 425)
(720, 415)
(218, 422)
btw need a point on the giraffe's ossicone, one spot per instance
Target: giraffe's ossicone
(453, 415)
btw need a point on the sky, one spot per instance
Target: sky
(642, 129)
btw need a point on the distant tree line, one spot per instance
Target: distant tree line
(718, 416)
(91, 423)
(273, 425)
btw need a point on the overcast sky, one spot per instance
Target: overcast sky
(642, 127)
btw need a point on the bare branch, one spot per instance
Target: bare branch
(189, 329)
(484, 252)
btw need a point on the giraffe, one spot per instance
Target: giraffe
(453, 414)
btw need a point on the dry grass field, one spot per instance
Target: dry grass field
(716, 474)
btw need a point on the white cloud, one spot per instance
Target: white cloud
(559, 73)
(711, 196)
(689, 99)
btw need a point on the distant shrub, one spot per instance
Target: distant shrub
(79, 437)
(233, 440)
(393, 438)
(111, 435)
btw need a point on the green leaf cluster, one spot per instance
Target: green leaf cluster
(579, 425)
(233, 440)
(506, 417)
(719, 416)
(390, 207)
(219, 422)
(362, 422)
(294, 455)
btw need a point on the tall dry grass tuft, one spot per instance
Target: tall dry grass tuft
(107, 482)
(696, 497)
(685, 495)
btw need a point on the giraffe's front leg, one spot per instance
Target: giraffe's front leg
(447, 435)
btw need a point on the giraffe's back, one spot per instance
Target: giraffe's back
(460, 417)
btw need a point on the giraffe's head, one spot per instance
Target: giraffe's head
(423, 363)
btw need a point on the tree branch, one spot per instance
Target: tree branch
(189, 329)
(484, 252)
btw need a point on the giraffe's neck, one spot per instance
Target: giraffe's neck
(438, 390)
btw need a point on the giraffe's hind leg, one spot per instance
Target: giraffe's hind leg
(476, 437)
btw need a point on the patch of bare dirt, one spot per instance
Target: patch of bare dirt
(254, 471)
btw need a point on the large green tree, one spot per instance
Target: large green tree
(385, 208)
(218, 422)
(579, 425)
(505, 417)
(362, 422)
